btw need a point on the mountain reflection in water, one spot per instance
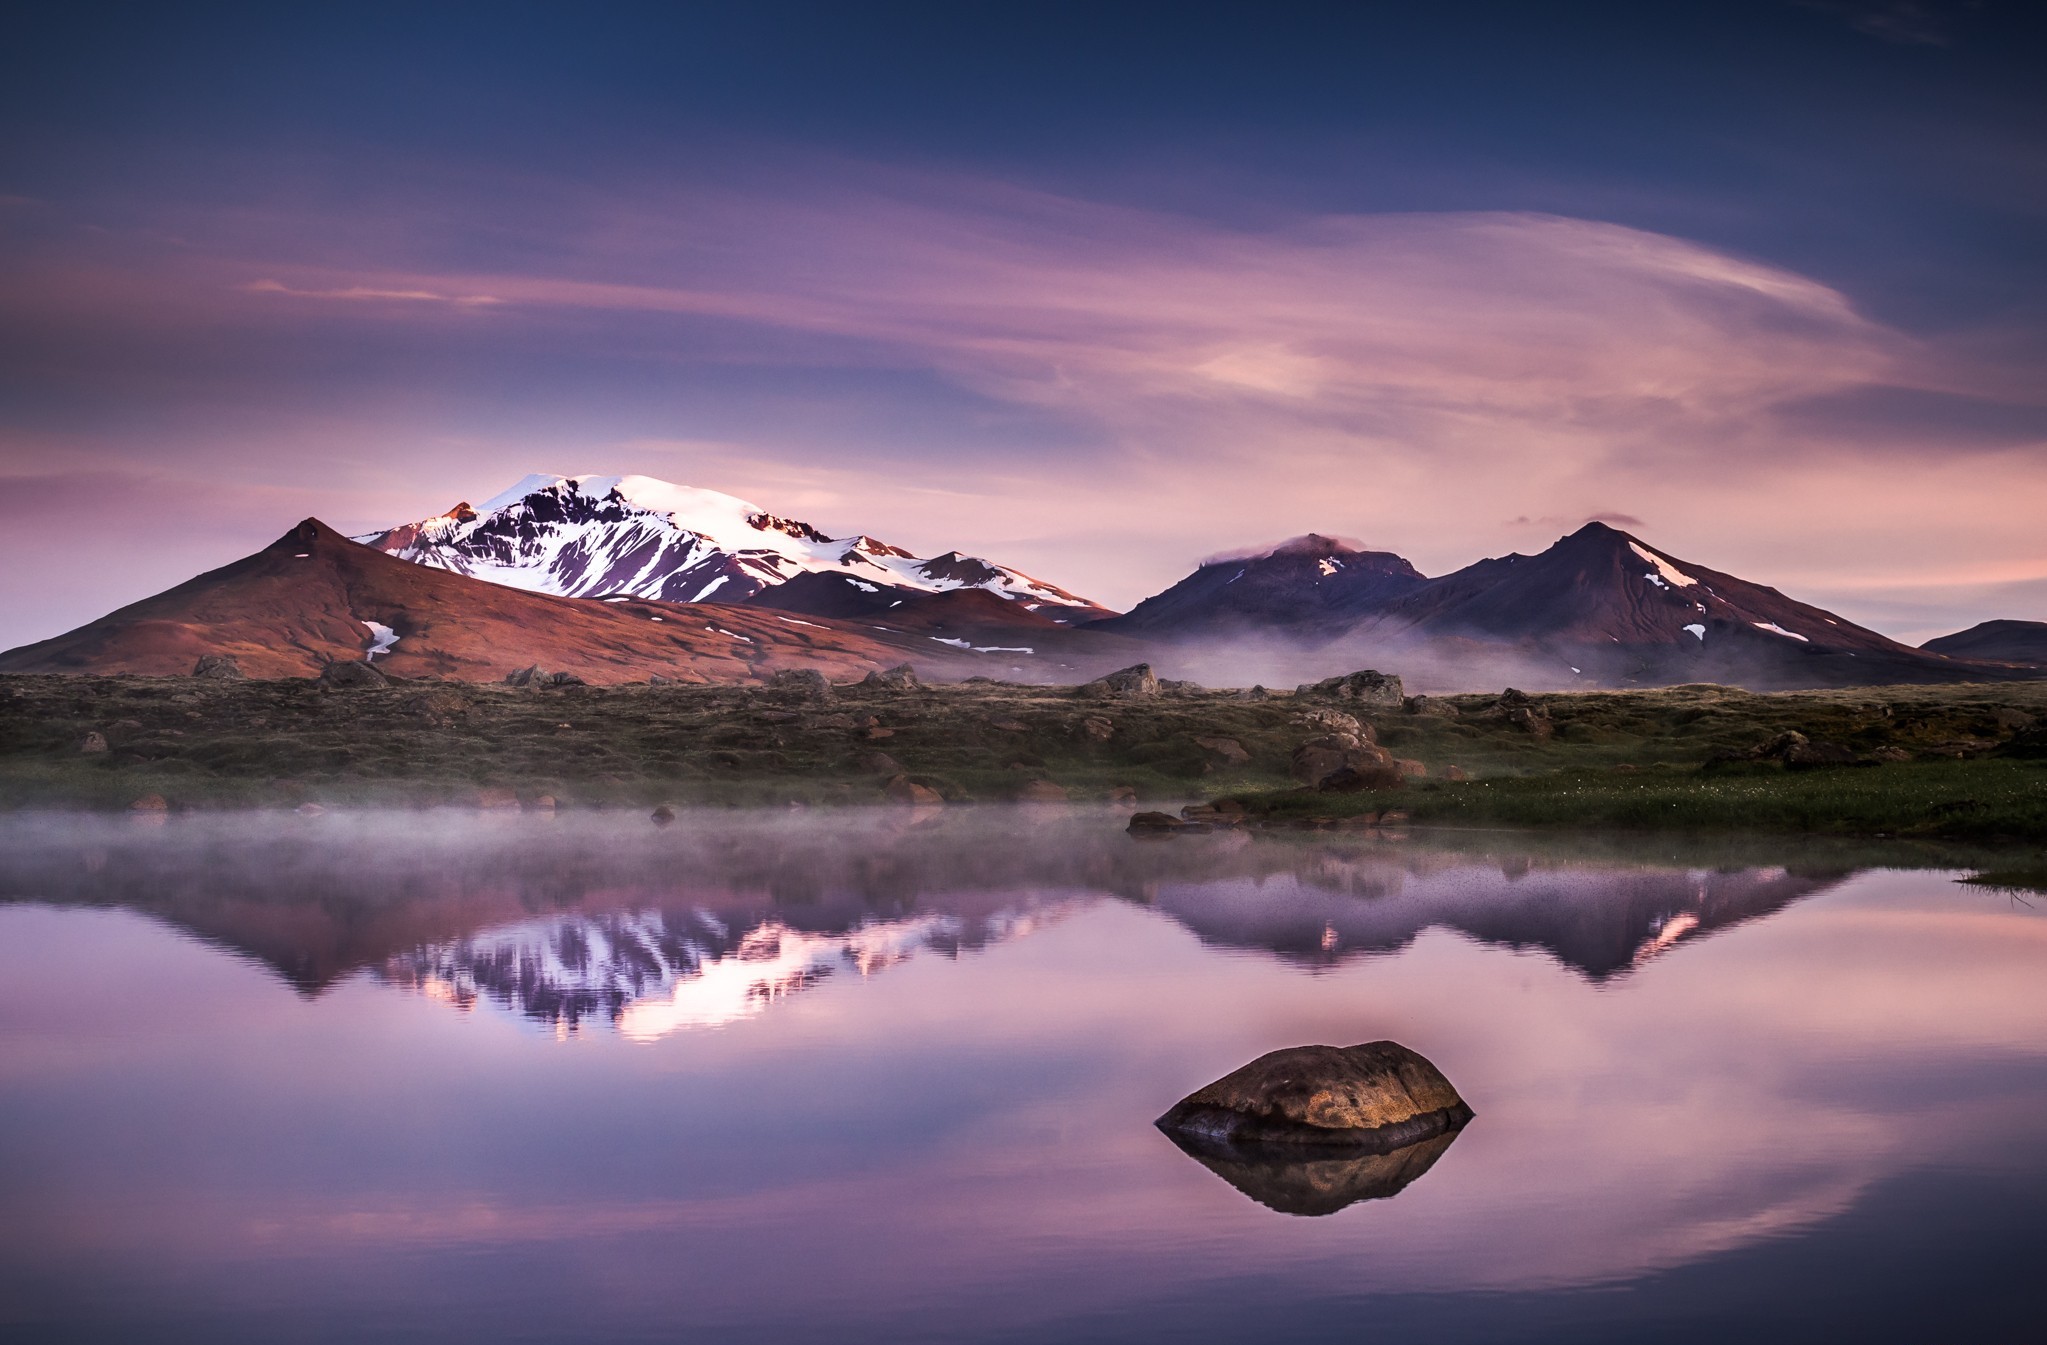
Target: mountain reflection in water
(756, 1077)
(598, 918)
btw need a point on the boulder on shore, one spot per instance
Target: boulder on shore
(351, 676)
(1367, 687)
(808, 683)
(902, 677)
(1136, 680)
(219, 668)
(1378, 1096)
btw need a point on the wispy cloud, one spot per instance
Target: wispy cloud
(1131, 390)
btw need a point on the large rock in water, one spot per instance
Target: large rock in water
(1372, 1098)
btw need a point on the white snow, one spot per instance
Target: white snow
(1328, 567)
(661, 530)
(794, 622)
(1663, 567)
(864, 586)
(382, 637)
(1698, 629)
(980, 648)
(1776, 629)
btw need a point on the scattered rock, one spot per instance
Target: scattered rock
(438, 708)
(1532, 720)
(1357, 779)
(1890, 756)
(1429, 705)
(1317, 758)
(1136, 680)
(902, 677)
(1369, 687)
(878, 763)
(1097, 729)
(351, 676)
(1169, 687)
(93, 742)
(662, 815)
(1455, 773)
(150, 803)
(1254, 693)
(1394, 817)
(902, 789)
(1378, 1096)
(1411, 769)
(525, 677)
(1156, 823)
(2031, 745)
(541, 803)
(1041, 791)
(877, 733)
(219, 668)
(562, 679)
(1511, 699)
(1227, 750)
(808, 683)
(657, 680)
(1122, 794)
(1336, 721)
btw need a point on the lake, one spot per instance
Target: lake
(865, 1076)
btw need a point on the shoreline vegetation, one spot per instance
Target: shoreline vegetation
(1961, 762)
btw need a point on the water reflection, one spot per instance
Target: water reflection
(1313, 1185)
(599, 919)
(822, 1075)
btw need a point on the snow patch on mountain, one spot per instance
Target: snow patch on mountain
(635, 536)
(1665, 571)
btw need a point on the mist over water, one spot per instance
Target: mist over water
(421, 1076)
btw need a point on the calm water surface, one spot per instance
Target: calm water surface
(853, 1078)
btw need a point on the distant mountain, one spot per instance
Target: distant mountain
(1601, 606)
(2022, 642)
(314, 596)
(634, 536)
(1310, 583)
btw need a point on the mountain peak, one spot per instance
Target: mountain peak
(597, 535)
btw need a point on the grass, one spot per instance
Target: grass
(1981, 800)
(1599, 759)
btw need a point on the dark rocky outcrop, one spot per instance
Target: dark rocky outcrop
(218, 668)
(1136, 680)
(808, 683)
(351, 676)
(1368, 687)
(1318, 758)
(902, 677)
(1375, 1097)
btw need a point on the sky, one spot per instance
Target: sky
(1093, 290)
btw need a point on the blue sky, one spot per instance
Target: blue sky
(1093, 289)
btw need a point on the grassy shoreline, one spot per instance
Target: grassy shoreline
(1990, 799)
(1668, 758)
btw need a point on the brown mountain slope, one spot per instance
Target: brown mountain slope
(304, 601)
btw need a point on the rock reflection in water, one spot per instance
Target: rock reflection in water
(1280, 1178)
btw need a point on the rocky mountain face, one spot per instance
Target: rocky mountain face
(1601, 606)
(1307, 585)
(315, 598)
(2021, 642)
(634, 536)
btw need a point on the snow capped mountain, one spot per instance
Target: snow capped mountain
(634, 536)
(653, 972)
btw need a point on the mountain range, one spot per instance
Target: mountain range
(621, 578)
